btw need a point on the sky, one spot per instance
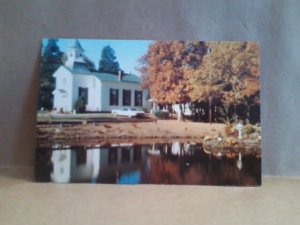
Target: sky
(127, 51)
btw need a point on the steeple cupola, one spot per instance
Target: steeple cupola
(74, 54)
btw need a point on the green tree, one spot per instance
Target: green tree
(80, 105)
(51, 59)
(108, 62)
(51, 53)
(90, 64)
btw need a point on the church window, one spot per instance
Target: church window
(138, 98)
(126, 97)
(81, 157)
(113, 155)
(125, 157)
(114, 97)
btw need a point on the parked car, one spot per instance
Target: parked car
(129, 112)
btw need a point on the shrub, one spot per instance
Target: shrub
(249, 129)
(161, 114)
(79, 105)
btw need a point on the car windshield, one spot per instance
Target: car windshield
(124, 109)
(133, 109)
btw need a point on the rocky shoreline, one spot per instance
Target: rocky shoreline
(248, 143)
(217, 139)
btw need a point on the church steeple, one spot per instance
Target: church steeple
(74, 54)
(77, 46)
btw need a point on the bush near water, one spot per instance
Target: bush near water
(162, 114)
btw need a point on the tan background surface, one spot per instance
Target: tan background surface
(274, 23)
(25, 202)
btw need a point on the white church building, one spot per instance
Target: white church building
(99, 91)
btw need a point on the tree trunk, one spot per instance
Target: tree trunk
(210, 113)
(180, 114)
(248, 112)
(235, 115)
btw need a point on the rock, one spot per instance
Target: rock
(231, 141)
(219, 139)
(257, 129)
(229, 130)
(207, 138)
(258, 138)
(248, 129)
(253, 136)
(215, 137)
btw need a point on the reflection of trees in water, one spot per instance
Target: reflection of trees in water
(191, 165)
(172, 163)
(43, 165)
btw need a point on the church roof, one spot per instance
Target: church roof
(114, 78)
(81, 69)
(76, 45)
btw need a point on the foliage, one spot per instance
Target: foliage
(224, 115)
(229, 72)
(52, 53)
(248, 129)
(79, 105)
(165, 69)
(51, 59)
(216, 77)
(161, 114)
(108, 61)
(89, 63)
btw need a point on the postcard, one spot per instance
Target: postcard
(149, 112)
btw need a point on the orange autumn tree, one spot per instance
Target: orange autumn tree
(250, 74)
(230, 73)
(166, 69)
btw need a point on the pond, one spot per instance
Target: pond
(153, 163)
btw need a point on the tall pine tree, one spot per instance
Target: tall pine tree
(50, 61)
(108, 62)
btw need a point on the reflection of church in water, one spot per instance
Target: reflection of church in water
(117, 164)
(82, 165)
(126, 163)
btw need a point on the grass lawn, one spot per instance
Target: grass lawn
(81, 117)
(72, 117)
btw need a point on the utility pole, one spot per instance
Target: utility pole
(210, 97)
(210, 113)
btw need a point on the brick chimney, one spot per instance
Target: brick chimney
(120, 75)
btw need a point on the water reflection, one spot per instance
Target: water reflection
(239, 162)
(167, 163)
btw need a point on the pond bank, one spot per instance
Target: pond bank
(104, 131)
(214, 137)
